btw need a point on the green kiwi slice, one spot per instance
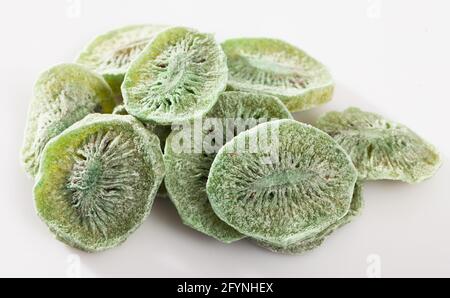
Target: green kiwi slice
(275, 67)
(307, 187)
(318, 239)
(187, 172)
(62, 96)
(111, 54)
(381, 149)
(176, 78)
(97, 181)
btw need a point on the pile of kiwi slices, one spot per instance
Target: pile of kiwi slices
(165, 112)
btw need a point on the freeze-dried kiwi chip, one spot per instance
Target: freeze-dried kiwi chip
(318, 239)
(292, 183)
(97, 181)
(187, 171)
(381, 149)
(177, 77)
(62, 96)
(111, 54)
(275, 67)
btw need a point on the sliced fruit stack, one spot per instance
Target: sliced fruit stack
(159, 111)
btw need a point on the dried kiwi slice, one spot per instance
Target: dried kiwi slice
(187, 173)
(111, 54)
(307, 187)
(63, 95)
(178, 77)
(318, 239)
(381, 149)
(275, 67)
(97, 181)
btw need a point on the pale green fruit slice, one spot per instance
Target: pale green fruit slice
(62, 96)
(177, 77)
(111, 54)
(187, 172)
(307, 186)
(275, 67)
(318, 239)
(381, 149)
(97, 181)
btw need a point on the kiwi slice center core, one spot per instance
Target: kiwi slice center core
(270, 65)
(282, 179)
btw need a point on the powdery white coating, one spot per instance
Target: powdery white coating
(111, 54)
(97, 181)
(62, 96)
(305, 189)
(177, 77)
(187, 173)
(318, 239)
(381, 149)
(275, 67)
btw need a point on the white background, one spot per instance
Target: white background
(388, 56)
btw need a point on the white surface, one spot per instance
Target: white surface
(390, 57)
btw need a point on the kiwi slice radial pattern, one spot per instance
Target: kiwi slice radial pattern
(177, 77)
(187, 172)
(275, 67)
(318, 239)
(97, 181)
(285, 197)
(111, 54)
(381, 149)
(62, 96)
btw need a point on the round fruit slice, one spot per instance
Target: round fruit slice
(318, 239)
(188, 170)
(307, 186)
(63, 95)
(178, 77)
(97, 181)
(379, 148)
(275, 67)
(111, 54)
